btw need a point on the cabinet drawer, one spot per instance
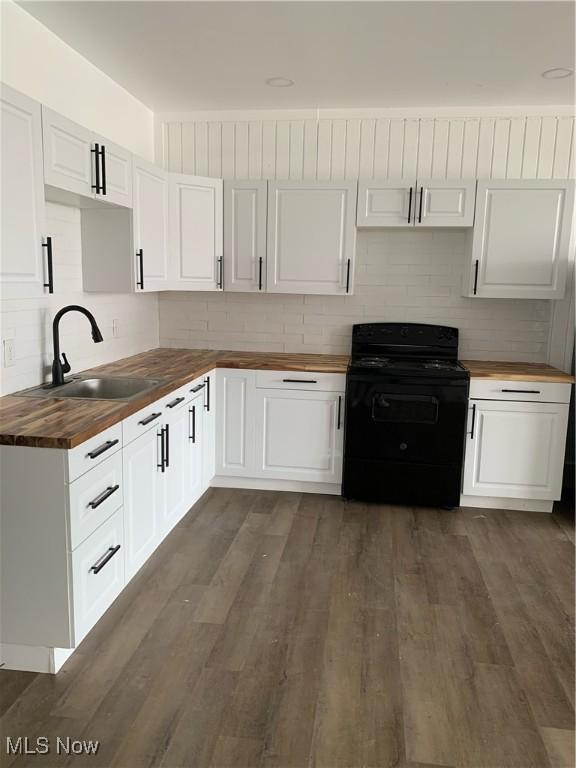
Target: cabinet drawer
(97, 574)
(94, 451)
(524, 391)
(141, 421)
(93, 498)
(322, 382)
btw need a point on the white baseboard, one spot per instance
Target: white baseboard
(33, 658)
(494, 502)
(265, 484)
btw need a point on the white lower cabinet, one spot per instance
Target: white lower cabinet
(195, 448)
(176, 459)
(144, 498)
(235, 407)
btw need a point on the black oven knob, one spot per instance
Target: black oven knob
(403, 446)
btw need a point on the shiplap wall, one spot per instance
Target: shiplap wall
(476, 147)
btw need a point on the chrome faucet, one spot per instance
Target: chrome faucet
(59, 368)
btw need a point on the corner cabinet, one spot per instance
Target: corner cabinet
(416, 203)
(311, 239)
(196, 238)
(520, 243)
(22, 272)
(245, 205)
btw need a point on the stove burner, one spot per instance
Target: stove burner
(374, 362)
(439, 365)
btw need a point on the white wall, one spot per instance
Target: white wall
(29, 321)
(36, 62)
(401, 276)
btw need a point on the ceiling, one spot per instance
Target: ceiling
(181, 56)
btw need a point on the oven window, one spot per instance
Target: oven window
(414, 409)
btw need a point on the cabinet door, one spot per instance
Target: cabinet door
(150, 197)
(209, 436)
(311, 237)
(235, 422)
(445, 203)
(196, 217)
(22, 196)
(195, 486)
(245, 235)
(515, 450)
(299, 435)
(521, 239)
(116, 169)
(68, 157)
(144, 499)
(175, 478)
(386, 203)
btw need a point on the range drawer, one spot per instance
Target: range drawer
(321, 382)
(93, 498)
(97, 573)
(94, 451)
(525, 391)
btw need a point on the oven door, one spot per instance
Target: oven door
(411, 419)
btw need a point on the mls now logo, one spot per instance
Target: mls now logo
(41, 746)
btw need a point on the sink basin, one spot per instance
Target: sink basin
(97, 388)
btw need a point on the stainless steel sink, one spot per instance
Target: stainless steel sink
(97, 388)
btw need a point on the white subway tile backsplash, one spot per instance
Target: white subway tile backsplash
(400, 276)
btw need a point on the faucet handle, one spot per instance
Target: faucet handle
(66, 367)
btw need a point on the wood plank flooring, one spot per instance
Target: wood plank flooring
(289, 630)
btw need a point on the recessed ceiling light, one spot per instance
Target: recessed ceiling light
(557, 73)
(279, 82)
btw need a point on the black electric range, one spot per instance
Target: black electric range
(406, 407)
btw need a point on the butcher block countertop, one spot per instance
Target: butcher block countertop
(64, 423)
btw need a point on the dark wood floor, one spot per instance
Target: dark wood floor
(283, 629)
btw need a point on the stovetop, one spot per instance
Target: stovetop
(383, 365)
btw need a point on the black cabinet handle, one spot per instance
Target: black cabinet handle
(522, 391)
(192, 412)
(220, 282)
(175, 402)
(97, 567)
(260, 262)
(103, 496)
(198, 387)
(50, 283)
(167, 439)
(339, 411)
(161, 466)
(348, 276)
(473, 421)
(476, 265)
(149, 419)
(140, 282)
(96, 153)
(103, 157)
(300, 381)
(409, 205)
(420, 209)
(207, 401)
(102, 449)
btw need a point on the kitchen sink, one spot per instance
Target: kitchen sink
(96, 388)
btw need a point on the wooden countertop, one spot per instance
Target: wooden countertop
(65, 423)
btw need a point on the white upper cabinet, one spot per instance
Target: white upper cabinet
(444, 203)
(22, 193)
(79, 161)
(245, 235)
(416, 203)
(386, 203)
(311, 237)
(150, 226)
(196, 223)
(520, 242)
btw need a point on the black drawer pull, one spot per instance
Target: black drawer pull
(409, 205)
(473, 421)
(103, 157)
(162, 465)
(97, 567)
(192, 412)
(102, 449)
(96, 152)
(175, 402)
(299, 381)
(198, 387)
(103, 496)
(140, 281)
(207, 398)
(149, 419)
(339, 411)
(167, 443)
(260, 264)
(476, 265)
(49, 265)
(522, 391)
(420, 211)
(348, 276)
